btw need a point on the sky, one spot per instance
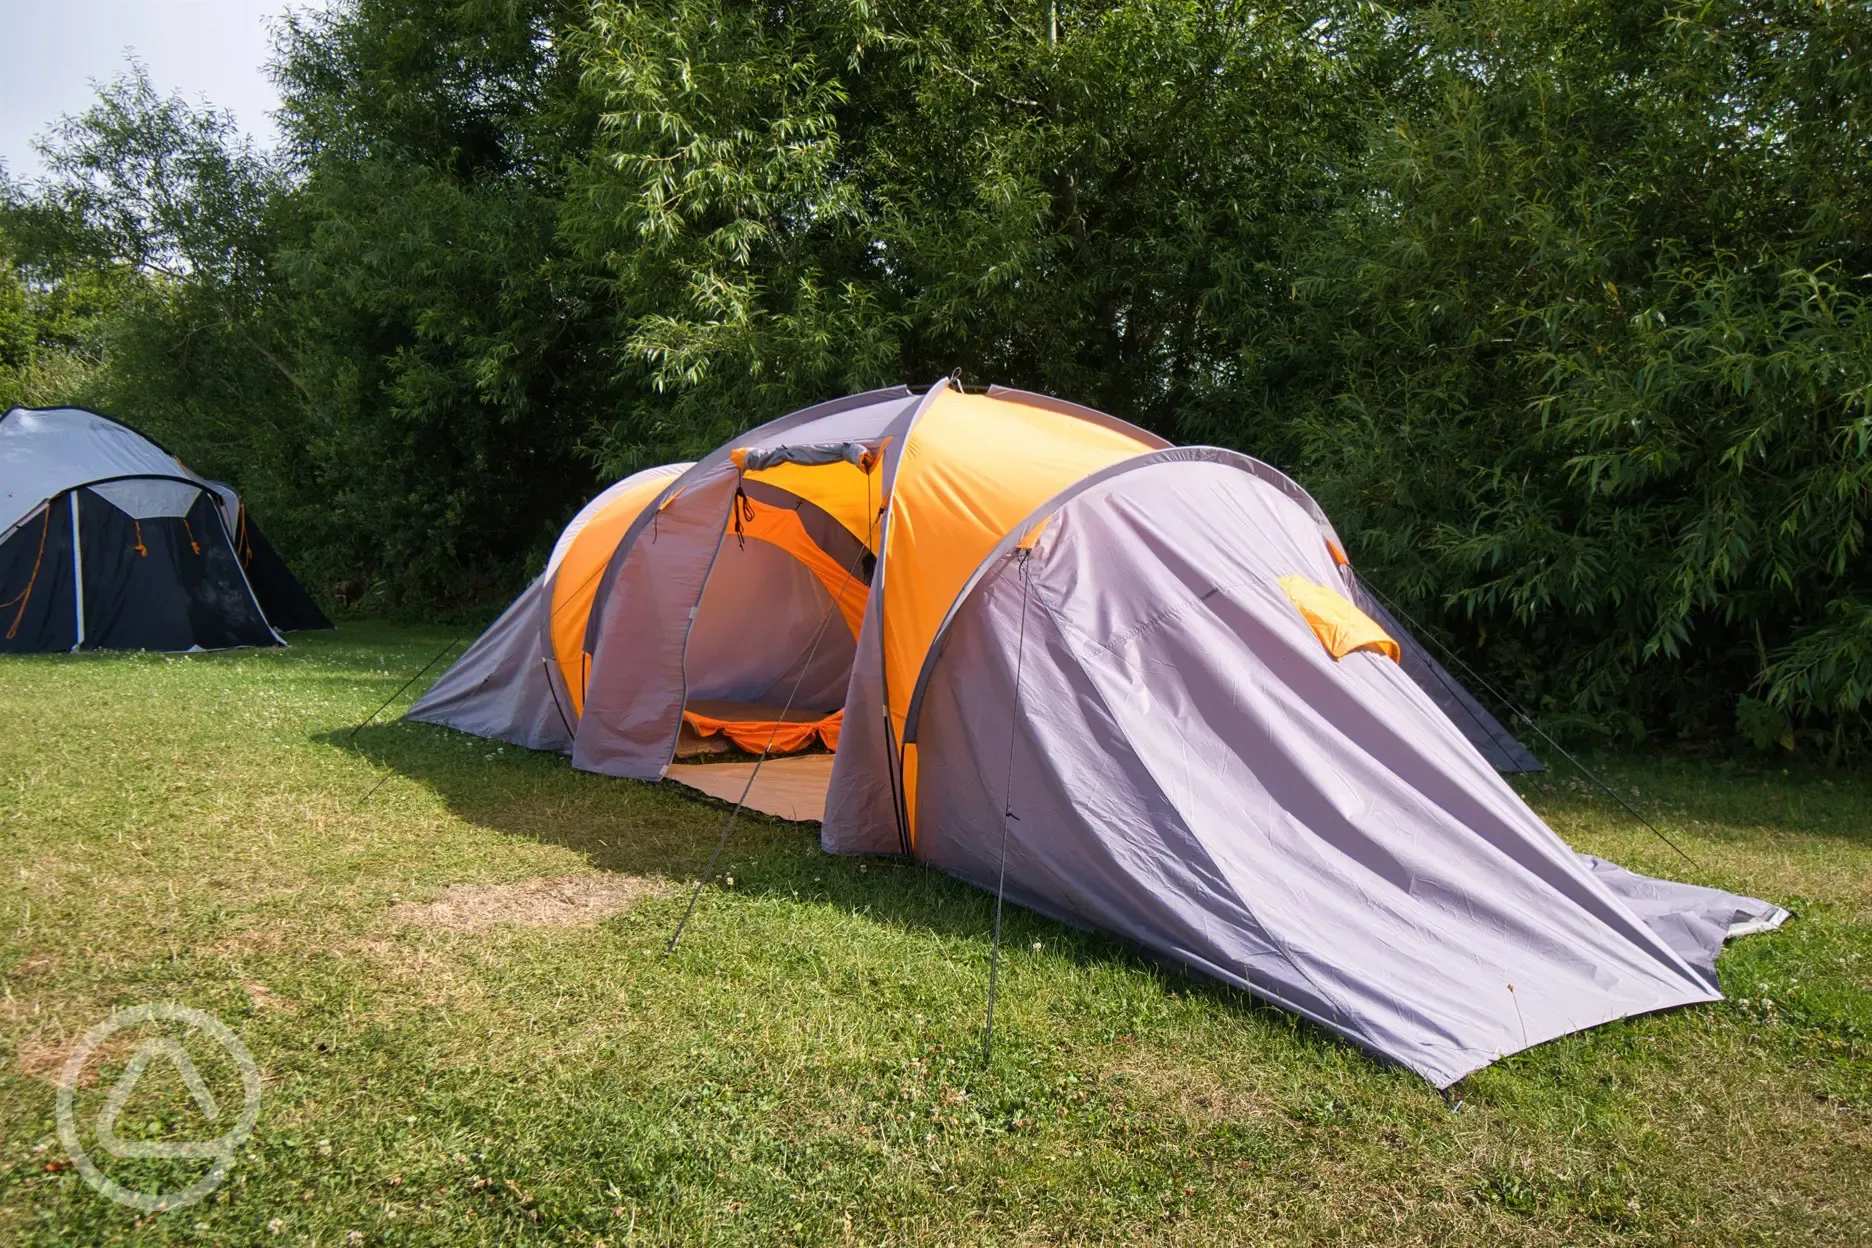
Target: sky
(52, 51)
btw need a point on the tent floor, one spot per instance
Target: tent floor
(787, 788)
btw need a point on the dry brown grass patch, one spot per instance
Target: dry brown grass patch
(562, 901)
(42, 1055)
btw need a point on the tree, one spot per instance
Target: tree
(1090, 199)
(453, 362)
(1584, 363)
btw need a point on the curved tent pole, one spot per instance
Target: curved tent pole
(77, 574)
(1018, 535)
(893, 753)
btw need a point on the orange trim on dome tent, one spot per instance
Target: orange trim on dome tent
(580, 566)
(781, 527)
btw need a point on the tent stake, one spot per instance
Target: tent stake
(1527, 719)
(1007, 813)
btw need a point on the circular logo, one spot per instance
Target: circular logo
(219, 1150)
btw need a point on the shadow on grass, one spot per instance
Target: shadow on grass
(640, 828)
(1722, 800)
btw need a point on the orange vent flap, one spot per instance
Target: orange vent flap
(1340, 626)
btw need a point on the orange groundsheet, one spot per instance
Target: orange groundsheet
(752, 728)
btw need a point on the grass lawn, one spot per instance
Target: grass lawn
(807, 1067)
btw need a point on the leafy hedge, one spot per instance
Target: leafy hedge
(1559, 307)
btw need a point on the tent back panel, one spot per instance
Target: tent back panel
(1192, 769)
(287, 605)
(500, 687)
(1504, 752)
(762, 617)
(163, 583)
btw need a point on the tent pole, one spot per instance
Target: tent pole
(546, 668)
(77, 574)
(1007, 813)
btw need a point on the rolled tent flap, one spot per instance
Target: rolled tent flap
(1192, 770)
(780, 731)
(1340, 626)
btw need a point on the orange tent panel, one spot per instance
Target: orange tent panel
(973, 467)
(575, 582)
(774, 736)
(781, 527)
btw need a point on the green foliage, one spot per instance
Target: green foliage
(1560, 308)
(1085, 199)
(18, 332)
(148, 248)
(452, 361)
(1586, 358)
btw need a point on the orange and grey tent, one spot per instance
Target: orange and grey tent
(1138, 685)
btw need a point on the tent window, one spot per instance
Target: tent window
(1340, 626)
